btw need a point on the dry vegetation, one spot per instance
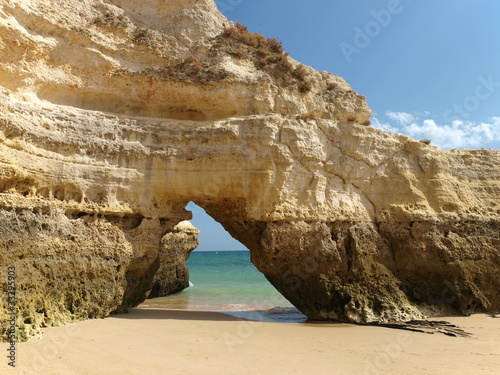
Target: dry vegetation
(266, 53)
(189, 69)
(192, 68)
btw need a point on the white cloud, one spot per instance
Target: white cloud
(458, 134)
(376, 123)
(402, 118)
(444, 136)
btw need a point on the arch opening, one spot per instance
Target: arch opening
(223, 279)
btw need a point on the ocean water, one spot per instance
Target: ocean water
(227, 281)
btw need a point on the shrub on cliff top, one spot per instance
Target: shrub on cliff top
(241, 34)
(266, 53)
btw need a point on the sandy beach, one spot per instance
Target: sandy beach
(153, 341)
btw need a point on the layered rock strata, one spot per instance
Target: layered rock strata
(115, 114)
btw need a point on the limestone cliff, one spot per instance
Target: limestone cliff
(114, 114)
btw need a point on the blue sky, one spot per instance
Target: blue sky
(213, 237)
(429, 69)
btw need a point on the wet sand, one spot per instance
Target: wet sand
(153, 341)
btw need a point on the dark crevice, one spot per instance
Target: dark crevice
(127, 222)
(73, 215)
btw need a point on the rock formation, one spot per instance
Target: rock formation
(172, 275)
(114, 114)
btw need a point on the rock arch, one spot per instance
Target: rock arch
(348, 222)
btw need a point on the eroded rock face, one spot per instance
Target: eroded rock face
(173, 275)
(101, 149)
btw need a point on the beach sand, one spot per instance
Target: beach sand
(153, 341)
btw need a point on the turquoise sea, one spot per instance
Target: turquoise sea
(227, 281)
